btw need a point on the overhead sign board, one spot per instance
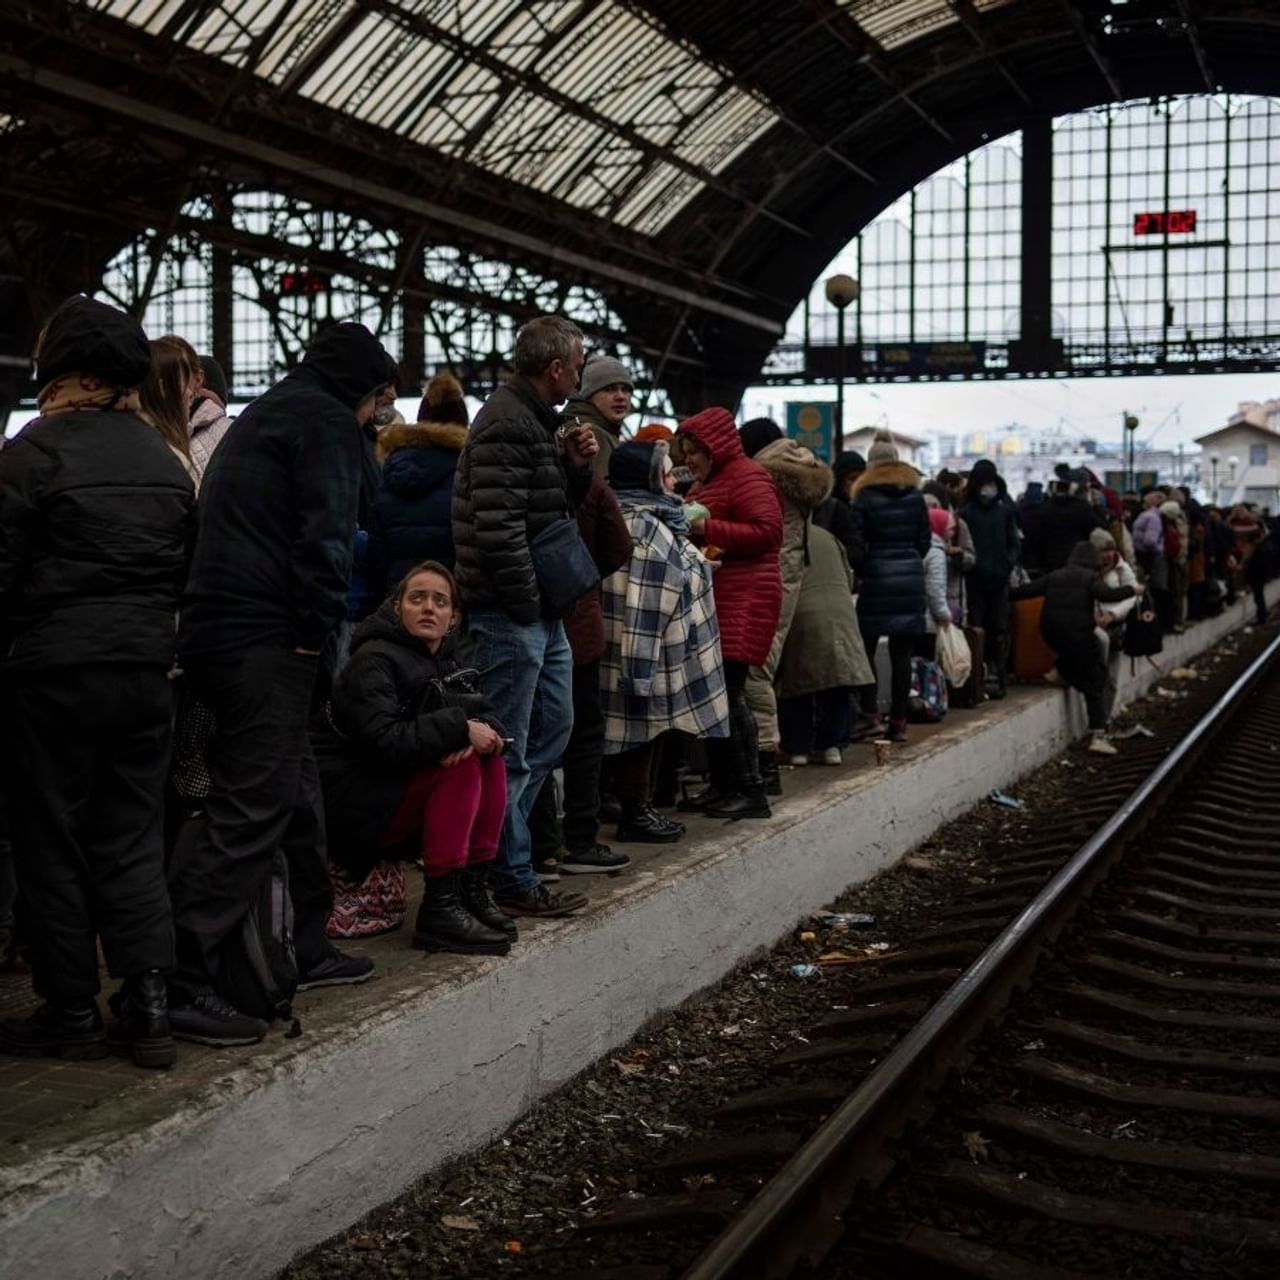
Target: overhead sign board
(812, 423)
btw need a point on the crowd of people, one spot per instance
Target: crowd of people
(253, 667)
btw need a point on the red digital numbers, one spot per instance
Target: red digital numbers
(1172, 223)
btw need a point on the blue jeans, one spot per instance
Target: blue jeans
(526, 671)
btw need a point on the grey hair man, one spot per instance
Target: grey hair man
(517, 475)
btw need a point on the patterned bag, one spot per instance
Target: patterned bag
(927, 702)
(362, 908)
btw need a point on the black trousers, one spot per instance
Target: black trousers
(582, 759)
(266, 796)
(735, 761)
(901, 649)
(988, 608)
(90, 750)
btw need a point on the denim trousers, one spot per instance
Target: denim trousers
(526, 671)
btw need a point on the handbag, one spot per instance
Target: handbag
(953, 655)
(563, 567)
(1143, 634)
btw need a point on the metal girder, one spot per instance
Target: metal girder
(1197, 47)
(510, 75)
(400, 280)
(971, 21)
(272, 159)
(1081, 27)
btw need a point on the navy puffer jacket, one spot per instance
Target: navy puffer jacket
(892, 524)
(411, 519)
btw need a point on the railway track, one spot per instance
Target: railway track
(1095, 1092)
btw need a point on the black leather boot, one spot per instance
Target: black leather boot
(479, 901)
(71, 1032)
(643, 824)
(750, 800)
(142, 1027)
(445, 924)
(770, 773)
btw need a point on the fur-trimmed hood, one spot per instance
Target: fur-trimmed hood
(802, 479)
(420, 435)
(888, 475)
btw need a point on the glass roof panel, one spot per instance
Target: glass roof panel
(894, 22)
(617, 80)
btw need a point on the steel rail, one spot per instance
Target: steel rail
(796, 1218)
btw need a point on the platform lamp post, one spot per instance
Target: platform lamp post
(1233, 466)
(841, 291)
(1214, 459)
(1131, 455)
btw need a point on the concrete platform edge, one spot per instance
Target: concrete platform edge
(277, 1157)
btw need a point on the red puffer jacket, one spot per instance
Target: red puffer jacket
(746, 527)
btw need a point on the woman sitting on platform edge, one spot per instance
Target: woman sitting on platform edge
(411, 754)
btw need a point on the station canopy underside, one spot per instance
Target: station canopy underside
(700, 162)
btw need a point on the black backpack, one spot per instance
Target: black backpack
(257, 967)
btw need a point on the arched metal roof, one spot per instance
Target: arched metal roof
(699, 159)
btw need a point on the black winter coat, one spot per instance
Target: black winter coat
(835, 516)
(1070, 596)
(1061, 523)
(411, 519)
(97, 518)
(512, 483)
(892, 525)
(994, 529)
(395, 709)
(278, 506)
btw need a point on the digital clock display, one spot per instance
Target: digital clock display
(1171, 223)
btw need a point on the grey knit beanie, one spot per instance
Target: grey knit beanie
(603, 371)
(882, 449)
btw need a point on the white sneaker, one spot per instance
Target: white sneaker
(797, 762)
(830, 756)
(1101, 745)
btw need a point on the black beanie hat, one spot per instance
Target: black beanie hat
(631, 466)
(757, 433)
(214, 378)
(87, 336)
(850, 462)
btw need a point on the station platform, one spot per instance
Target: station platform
(236, 1160)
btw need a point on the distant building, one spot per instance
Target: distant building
(1241, 461)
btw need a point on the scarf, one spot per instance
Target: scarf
(74, 392)
(665, 507)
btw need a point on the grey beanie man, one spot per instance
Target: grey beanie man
(602, 371)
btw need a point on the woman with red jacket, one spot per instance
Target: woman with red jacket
(743, 532)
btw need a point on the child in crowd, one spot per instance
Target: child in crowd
(1072, 595)
(412, 755)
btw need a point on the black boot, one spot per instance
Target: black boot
(699, 801)
(445, 924)
(741, 755)
(770, 774)
(71, 1032)
(747, 804)
(479, 901)
(141, 1007)
(643, 824)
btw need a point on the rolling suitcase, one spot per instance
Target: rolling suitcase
(973, 691)
(1031, 656)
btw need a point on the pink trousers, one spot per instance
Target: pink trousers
(457, 813)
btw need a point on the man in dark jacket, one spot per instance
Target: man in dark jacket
(96, 522)
(268, 585)
(518, 475)
(1068, 624)
(993, 525)
(602, 402)
(1066, 520)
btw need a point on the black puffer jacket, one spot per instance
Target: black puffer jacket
(97, 516)
(512, 483)
(892, 527)
(1063, 521)
(278, 506)
(1071, 594)
(412, 518)
(395, 709)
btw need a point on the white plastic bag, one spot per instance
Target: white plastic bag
(953, 655)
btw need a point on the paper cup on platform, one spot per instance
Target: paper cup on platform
(883, 750)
